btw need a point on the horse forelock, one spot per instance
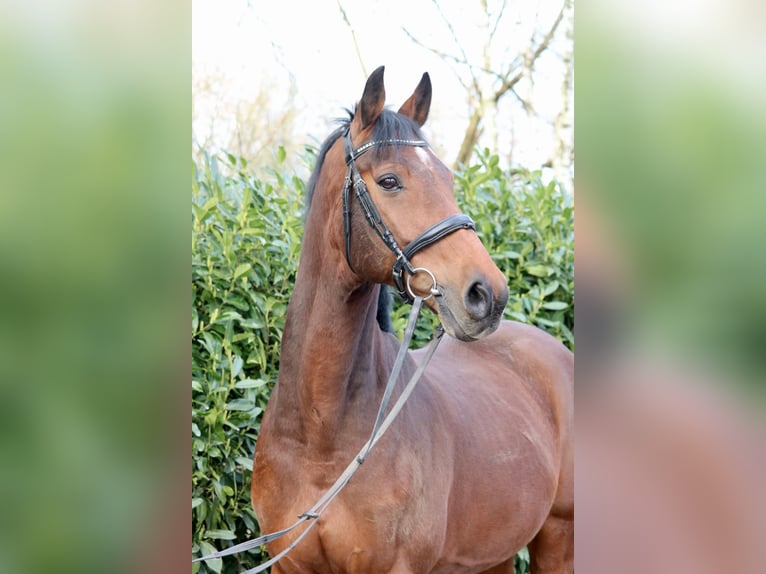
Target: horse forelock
(393, 125)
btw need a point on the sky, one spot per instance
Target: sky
(309, 45)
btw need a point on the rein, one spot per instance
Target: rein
(379, 428)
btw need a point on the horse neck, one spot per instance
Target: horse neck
(330, 346)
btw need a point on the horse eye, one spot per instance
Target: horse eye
(389, 183)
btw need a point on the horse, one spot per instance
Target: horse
(479, 462)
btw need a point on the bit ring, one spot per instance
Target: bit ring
(434, 288)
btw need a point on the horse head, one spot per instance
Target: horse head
(400, 213)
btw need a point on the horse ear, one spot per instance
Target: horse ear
(419, 103)
(373, 99)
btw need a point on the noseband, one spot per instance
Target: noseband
(403, 256)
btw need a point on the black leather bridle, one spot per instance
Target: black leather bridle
(403, 256)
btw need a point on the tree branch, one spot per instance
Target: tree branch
(510, 81)
(444, 56)
(459, 45)
(455, 59)
(549, 36)
(353, 37)
(524, 103)
(470, 138)
(497, 22)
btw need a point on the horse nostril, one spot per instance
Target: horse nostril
(478, 300)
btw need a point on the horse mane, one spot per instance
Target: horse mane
(389, 125)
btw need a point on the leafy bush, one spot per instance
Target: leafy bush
(246, 234)
(245, 244)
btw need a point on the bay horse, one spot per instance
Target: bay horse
(479, 462)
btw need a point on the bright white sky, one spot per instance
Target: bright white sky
(308, 43)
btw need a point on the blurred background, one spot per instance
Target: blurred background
(94, 260)
(670, 280)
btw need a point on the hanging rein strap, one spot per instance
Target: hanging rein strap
(403, 256)
(379, 428)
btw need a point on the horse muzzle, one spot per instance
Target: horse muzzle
(473, 314)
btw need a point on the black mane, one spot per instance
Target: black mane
(389, 125)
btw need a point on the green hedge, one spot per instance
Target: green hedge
(246, 233)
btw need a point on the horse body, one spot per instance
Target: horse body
(477, 464)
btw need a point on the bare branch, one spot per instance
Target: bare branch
(444, 56)
(458, 44)
(497, 22)
(511, 81)
(453, 58)
(549, 36)
(526, 104)
(507, 84)
(353, 37)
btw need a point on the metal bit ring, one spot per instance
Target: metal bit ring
(434, 288)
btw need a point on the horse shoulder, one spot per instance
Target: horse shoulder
(546, 362)
(551, 366)
(539, 350)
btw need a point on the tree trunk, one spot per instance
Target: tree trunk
(470, 139)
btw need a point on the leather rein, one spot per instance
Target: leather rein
(401, 265)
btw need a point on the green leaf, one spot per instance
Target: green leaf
(250, 384)
(215, 564)
(220, 534)
(236, 365)
(555, 305)
(252, 324)
(240, 405)
(241, 269)
(517, 316)
(527, 248)
(210, 204)
(538, 270)
(550, 288)
(196, 502)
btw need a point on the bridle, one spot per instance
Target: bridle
(431, 235)
(384, 416)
